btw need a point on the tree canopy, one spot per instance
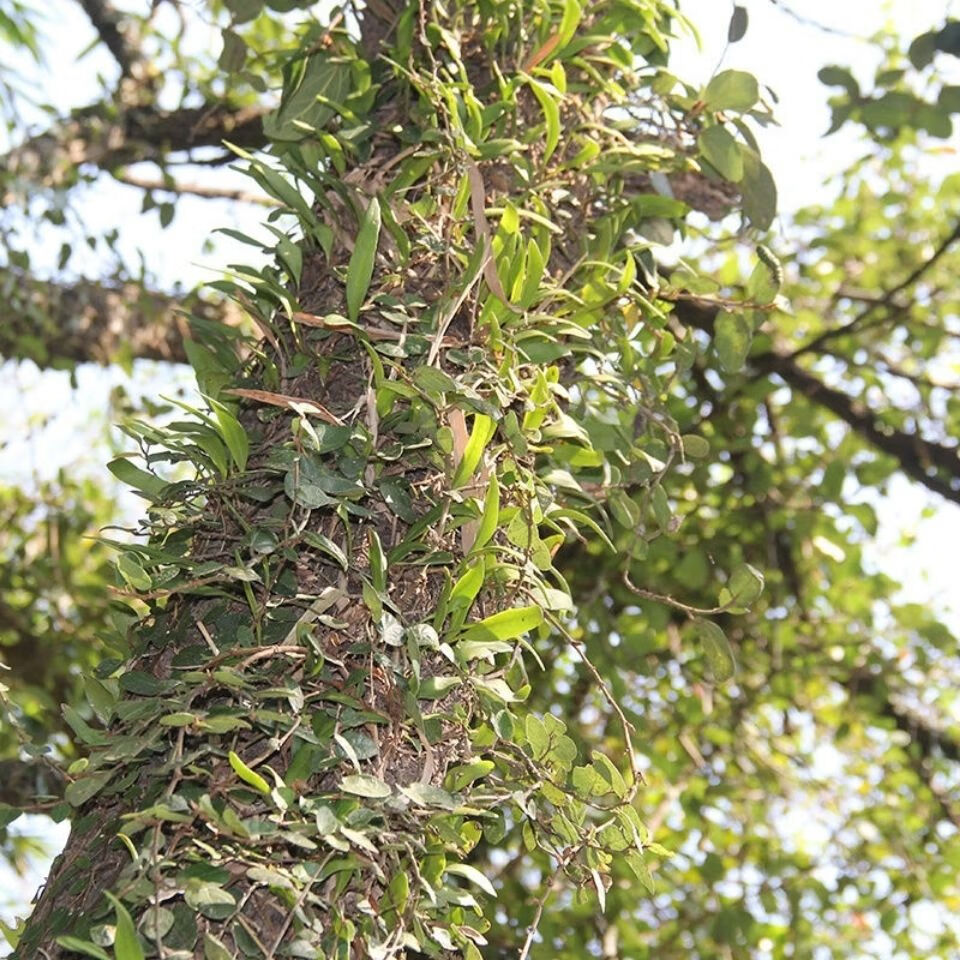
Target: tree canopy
(501, 590)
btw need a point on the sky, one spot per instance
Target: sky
(916, 531)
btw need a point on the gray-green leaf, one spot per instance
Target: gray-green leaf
(360, 269)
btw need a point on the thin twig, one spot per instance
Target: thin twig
(166, 185)
(814, 345)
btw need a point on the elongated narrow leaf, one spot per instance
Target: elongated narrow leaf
(506, 625)
(234, 436)
(483, 430)
(491, 513)
(248, 776)
(83, 947)
(473, 875)
(146, 483)
(126, 943)
(551, 113)
(468, 586)
(360, 269)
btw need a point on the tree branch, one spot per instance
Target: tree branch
(106, 20)
(169, 185)
(930, 741)
(90, 322)
(886, 300)
(918, 458)
(95, 137)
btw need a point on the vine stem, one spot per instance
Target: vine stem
(578, 645)
(670, 601)
(541, 903)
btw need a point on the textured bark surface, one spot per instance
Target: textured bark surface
(87, 322)
(105, 138)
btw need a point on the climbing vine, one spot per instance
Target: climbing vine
(464, 348)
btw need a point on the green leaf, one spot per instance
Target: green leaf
(132, 572)
(922, 50)
(360, 268)
(234, 52)
(537, 735)
(745, 587)
(80, 791)
(327, 546)
(491, 513)
(467, 586)
(311, 87)
(85, 947)
(433, 688)
(141, 683)
(732, 337)
(572, 14)
(83, 729)
(213, 949)
(731, 90)
(472, 874)
(480, 435)
(624, 509)
(434, 381)
(505, 625)
(716, 649)
(234, 436)
(722, 151)
(248, 776)
(365, 785)
(463, 776)
(551, 112)
(694, 446)
(126, 472)
(609, 772)
(833, 76)
(759, 191)
(766, 279)
(126, 943)
(426, 795)
(378, 561)
(739, 20)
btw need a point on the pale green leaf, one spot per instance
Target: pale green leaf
(360, 268)
(732, 337)
(716, 649)
(722, 151)
(365, 785)
(731, 90)
(480, 434)
(505, 625)
(472, 874)
(126, 944)
(248, 776)
(146, 483)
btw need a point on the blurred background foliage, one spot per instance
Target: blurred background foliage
(813, 803)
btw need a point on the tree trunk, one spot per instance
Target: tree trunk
(322, 710)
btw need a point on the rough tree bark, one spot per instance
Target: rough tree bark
(321, 709)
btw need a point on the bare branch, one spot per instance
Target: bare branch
(816, 24)
(886, 300)
(89, 322)
(935, 466)
(195, 189)
(96, 137)
(107, 20)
